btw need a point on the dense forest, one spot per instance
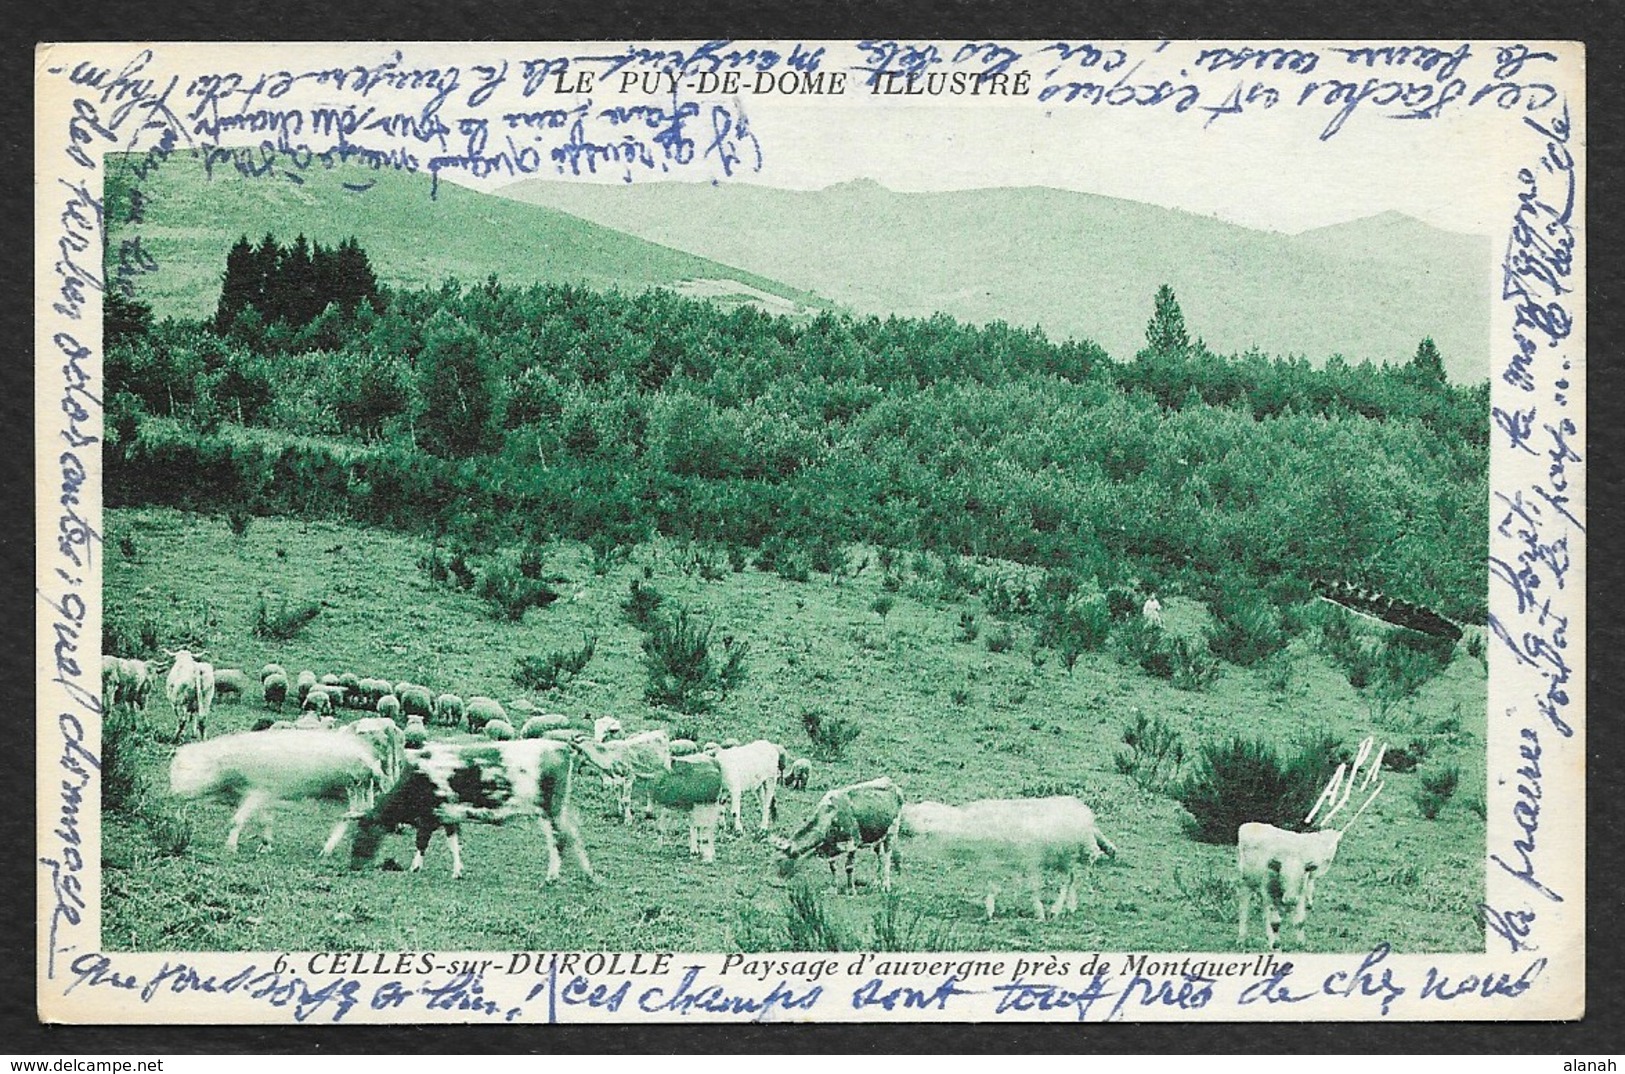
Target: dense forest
(489, 416)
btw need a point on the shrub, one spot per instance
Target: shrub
(435, 566)
(122, 637)
(277, 620)
(1239, 780)
(830, 734)
(1154, 754)
(510, 593)
(1075, 626)
(239, 519)
(703, 559)
(684, 673)
(1210, 890)
(1195, 668)
(968, 628)
(1249, 628)
(531, 561)
(121, 738)
(1000, 640)
(881, 606)
(606, 553)
(1437, 788)
(543, 673)
(809, 926)
(1145, 644)
(1407, 660)
(128, 549)
(641, 604)
(959, 695)
(1123, 603)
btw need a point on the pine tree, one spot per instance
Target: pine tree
(1165, 333)
(1427, 366)
(240, 286)
(267, 255)
(296, 281)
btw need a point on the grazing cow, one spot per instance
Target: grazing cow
(259, 770)
(846, 820)
(388, 745)
(798, 774)
(272, 669)
(682, 747)
(635, 763)
(447, 784)
(755, 766)
(500, 730)
(1281, 868)
(125, 684)
(112, 680)
(389, 707)
(1030, 835)
(190, 688)
(692, 785)
(304, 684)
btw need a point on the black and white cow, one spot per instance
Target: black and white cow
(447, 784)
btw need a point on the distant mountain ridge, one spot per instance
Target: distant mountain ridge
(191, 220)
(1078, 265)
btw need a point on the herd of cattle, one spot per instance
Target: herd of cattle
(391, 776)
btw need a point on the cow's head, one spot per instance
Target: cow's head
(818, 832)
(1292, 876)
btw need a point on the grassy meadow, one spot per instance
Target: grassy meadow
(944, 715)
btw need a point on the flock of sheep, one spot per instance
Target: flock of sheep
(391, 775)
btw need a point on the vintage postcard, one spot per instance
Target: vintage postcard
(732, 531)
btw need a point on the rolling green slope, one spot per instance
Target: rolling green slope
(190, 219)
(1079, 265)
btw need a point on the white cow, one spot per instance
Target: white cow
(755, 766)
(190, 688)
(387, 742)
(1027, 835)
(256, 771)
(1281, 868)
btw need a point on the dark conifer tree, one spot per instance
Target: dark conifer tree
(1427, 365)
(241, 285)
(1165, 333)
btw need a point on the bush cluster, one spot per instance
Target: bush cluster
(685, 672)
(830, 733)
(1237, 780)
(549, 672)
(1153, 753)
(278, 619)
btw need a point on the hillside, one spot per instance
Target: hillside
(945, 717)
(1079, 265)
(191, 219)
